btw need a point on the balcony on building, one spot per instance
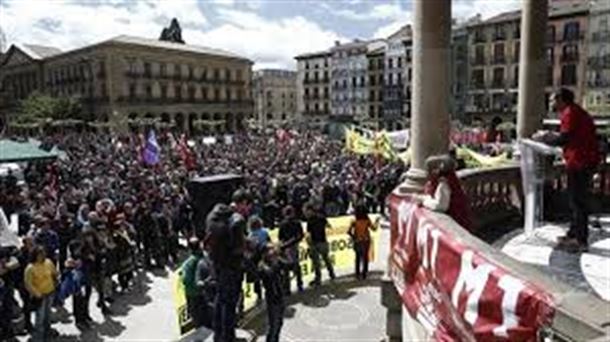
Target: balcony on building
(600, 37)
(478, 61)
(499, 59)
(569, 57)
(479, 37)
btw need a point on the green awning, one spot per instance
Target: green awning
(14, 151)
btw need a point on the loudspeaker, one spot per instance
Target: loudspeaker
(206, 192)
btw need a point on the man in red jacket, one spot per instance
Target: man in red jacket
(581, 155)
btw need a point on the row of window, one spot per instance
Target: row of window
(309, 65)
(568, 77)
(316, 108)
(571, 32)
(179, 71)
(75, 73)
(569, 54)
(213, 95)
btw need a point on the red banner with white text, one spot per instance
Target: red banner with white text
(454, 291)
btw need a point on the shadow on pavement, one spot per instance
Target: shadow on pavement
(341, 289)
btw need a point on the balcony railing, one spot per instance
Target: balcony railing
(600, 37)
(572, 57)
(480, 38)
(479, 61)
(499, 60)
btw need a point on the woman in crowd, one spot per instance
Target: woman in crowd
(41, 279)
(360, 232)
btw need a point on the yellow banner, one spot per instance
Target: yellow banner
(341, 255)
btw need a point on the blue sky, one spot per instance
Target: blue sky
(270, 32)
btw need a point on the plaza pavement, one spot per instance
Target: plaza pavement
(345, 310)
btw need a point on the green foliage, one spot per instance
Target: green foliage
(40, 107)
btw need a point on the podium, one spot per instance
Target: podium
(534, 156)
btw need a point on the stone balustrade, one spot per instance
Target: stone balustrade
(496, 194)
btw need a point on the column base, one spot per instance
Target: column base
(391, 300)
(415, 182)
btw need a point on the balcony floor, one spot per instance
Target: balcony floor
(587, 271)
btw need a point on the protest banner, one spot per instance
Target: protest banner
(341, 255)
(455, 292)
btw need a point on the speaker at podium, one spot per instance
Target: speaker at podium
(206, 192)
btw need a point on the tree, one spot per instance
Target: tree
(38, 106)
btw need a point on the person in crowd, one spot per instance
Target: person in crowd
(317, 224)
(226, 229)
(206, 284)
(41, 279)
(270, 272)
(581, 154)
(46, 237)
(24, 257)
(360, 232)
(290, 235)
(194, 296)
(259, 237)
(443, 191)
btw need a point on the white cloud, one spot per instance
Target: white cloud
(67, 25)
(389, 11)
(464, 9)
(75, 24)
(271, 43)
(387, 30)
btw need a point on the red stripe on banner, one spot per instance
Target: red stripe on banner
(455, 292)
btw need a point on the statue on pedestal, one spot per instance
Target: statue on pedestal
(173, 33)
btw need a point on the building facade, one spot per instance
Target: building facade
(349, 87)
(376, 63)
(130, 78)
(598, 75)
(494, 50)
(397, 79)
(313, 87)
(459, 72)
(275, 97)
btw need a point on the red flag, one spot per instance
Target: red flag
(186, 154)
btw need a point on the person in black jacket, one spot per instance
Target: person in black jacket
(226, 234)
(270, 273)
(290, 235)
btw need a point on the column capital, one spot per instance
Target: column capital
(414, 182)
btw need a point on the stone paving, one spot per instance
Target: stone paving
(343, 311)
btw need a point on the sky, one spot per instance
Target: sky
(269, 32)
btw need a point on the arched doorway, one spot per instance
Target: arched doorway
(180, 120)
(192, 118)
(131, 121)
(205, 128)
(218, 128)
(230, 123)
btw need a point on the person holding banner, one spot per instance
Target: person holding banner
(581, 154)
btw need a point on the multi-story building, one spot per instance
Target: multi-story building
(376, 66)
(459, 72)
(598, 65)
(349, 87)
(131, 77)
(275, 97)
(313, 87)
(494, 58)
(397, 79)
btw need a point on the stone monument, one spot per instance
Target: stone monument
(173, 33)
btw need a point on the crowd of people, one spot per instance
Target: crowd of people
(92, 218)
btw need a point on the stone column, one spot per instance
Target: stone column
(532, 67)
(431, 89)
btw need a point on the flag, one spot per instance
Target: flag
(150, 153)
(186, 154)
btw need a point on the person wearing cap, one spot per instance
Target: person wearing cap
(443, 191)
